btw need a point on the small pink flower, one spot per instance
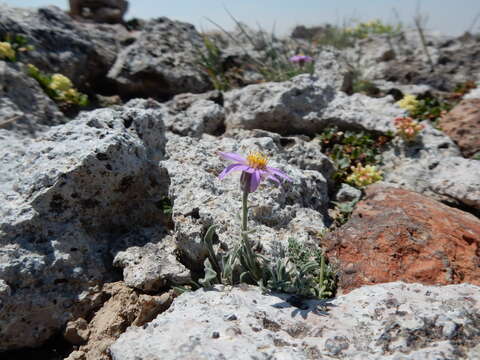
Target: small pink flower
(254, 169)
(301, 59)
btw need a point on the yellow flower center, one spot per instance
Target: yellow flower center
(257, 160)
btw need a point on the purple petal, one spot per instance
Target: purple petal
(232, 167)
(234, 157)
(277, 172)
(255, 181)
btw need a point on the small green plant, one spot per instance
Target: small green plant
(299, 270)
(428, 107)
(210, 61)
(349, 149)
(336, 36)
(274, 64)
(373, 27)
(58, 87)
(12, 46)
(432, 108)
(166, 205)
(363, 86)
(342, 211)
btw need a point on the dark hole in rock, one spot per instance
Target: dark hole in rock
(56, 348)
(287, 142)
(127, 122)
(102, 156)
(195, 213)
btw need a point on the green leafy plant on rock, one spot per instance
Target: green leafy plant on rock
(274, 64)
(58, 87)
(12, 45)
(299, 270)
(373, 27)
(351, 150)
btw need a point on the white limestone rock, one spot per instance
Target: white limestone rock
(387, 321)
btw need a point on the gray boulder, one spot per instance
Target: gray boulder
(188, 114)
(433, 166)
(82, 52)
(332, 67)
(161, 62)
(347, 194)
(403, 59)
(200, 199)
(151, 264)
(24, 106)
(305, 104)
(68, 198)
(459, 179)
(387, 321)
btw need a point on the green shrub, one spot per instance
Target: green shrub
(349, 149)
(299, 270)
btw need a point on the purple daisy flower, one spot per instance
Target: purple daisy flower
(301, 59)
(254, 169)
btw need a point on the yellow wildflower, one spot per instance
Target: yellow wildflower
(364, 175)
(60, 83)
(6, 51)
(409, 103)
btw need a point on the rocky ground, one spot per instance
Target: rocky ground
(104, 210)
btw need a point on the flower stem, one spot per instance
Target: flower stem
(245, 216)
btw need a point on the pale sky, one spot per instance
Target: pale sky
(448, 16)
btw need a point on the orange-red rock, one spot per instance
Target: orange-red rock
(395, 234)
(462, 124)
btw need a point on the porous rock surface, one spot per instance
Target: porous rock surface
(306, 105)
(462, 124)
(24, 106)
(403, 59)
(161, 62)
(395, 234)
(82, 52)
(432, 165)
(388, 321)
(67, 196)
(332, 67)
(148, 260)
(188, 114)
(276, 212)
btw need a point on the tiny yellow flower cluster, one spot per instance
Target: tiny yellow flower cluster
(364, 175)
(6, 51)
(409, 103)
(362, 30)
(407, 128)
(63, 86)
(60, 83)
(58, 87)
